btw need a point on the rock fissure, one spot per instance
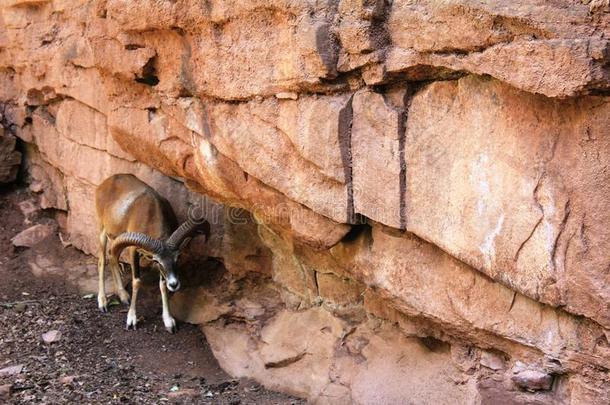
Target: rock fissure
(563, 225)
(540, 219)
(285, 362)
(345, 145)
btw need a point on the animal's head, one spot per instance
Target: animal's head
(163, 253)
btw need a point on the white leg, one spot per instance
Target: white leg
(168, 320)
(102, 303)
(132, 318)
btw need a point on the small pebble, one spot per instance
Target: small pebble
(11, 370)
(67, 380)
(51, 336)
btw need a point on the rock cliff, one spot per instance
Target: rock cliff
(410, 199)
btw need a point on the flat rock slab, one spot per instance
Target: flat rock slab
(11, 370)
(33, 235)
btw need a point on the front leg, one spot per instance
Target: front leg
(168, 320)
(132, 317)
(102, 302)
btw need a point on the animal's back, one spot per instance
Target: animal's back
(125, 203)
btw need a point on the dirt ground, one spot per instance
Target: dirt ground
(96, 360)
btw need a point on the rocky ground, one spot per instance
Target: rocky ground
(88, 357)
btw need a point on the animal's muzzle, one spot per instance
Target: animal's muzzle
(173, 284)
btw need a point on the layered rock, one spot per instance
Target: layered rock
(555, 49)
(523, 179)
(417, 185)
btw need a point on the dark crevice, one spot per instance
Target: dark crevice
(133, 47)
(355, 232)
(402, 134)
(185, 93)
(600, 92)
(512, 302)
(412, 89)
(316, 282)
(424, 73)
(562, 227)
(179, 31)
(285, 362)
(152, 111)
(435, 345)
(328, 45)
(149, 73)
(345, 145)
(448, 51)
(378, 31)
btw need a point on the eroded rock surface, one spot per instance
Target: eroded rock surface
(9, 157)
(408, 195)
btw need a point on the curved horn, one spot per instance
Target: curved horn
(136, 239)
(187, 229)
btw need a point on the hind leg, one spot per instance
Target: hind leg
(102, 303)
(118, 283)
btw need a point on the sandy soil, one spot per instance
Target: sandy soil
(96, 360)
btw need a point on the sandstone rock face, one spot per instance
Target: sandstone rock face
(412, 196)
(9, 157)
(518, 177)
(556, 49)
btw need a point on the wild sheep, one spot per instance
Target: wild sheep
(132, 215)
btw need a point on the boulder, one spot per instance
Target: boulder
(533, 380)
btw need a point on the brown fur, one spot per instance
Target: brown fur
(126, 204)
